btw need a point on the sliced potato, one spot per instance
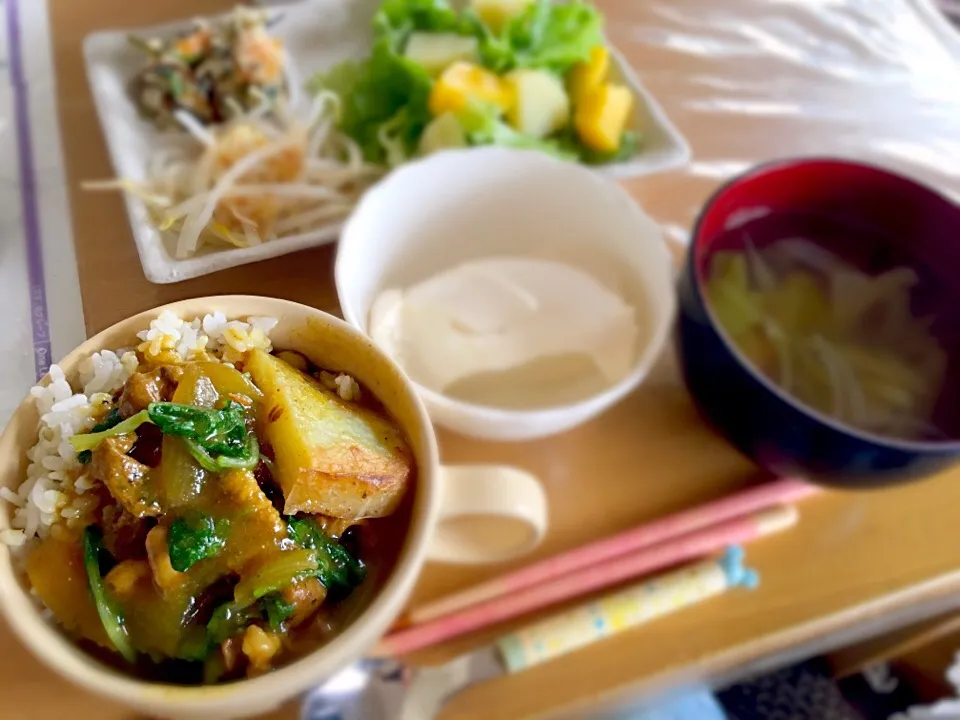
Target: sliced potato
(540, 105)
(331, 457)
(435, 51)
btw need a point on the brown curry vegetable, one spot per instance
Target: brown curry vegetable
(224, 493)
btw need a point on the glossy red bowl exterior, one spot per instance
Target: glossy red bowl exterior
(869, 216)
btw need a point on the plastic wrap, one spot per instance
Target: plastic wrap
(747, 81)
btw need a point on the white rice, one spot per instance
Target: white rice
(342, 384)
(223, 339)
(56, 485)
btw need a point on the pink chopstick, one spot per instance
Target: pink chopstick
(695, 545)
(781, 491)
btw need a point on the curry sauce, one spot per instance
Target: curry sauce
(239, 506)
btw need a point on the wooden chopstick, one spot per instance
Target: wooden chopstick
(694, 545)
(781, 491)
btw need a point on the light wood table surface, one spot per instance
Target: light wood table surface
(856, 564)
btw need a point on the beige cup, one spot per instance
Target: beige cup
(472, 513)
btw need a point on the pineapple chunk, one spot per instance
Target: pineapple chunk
(435, 51)
(601, 117)
(539, 103)
(442, 133)
(331, 457)
(462, 82)
(585, 77)
(496, 13)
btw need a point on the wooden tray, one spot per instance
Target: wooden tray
(855, 565)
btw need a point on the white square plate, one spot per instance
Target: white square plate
(317, 34)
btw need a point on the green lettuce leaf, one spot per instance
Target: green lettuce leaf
(483, 126)
(571, 143)
(383, 102)
(544, 35)
(396, 19)
(384, 98)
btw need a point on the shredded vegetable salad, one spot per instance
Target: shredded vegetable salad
(215, 71)
(265, 174)
(515, 73)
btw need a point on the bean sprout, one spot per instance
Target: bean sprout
(258, 177)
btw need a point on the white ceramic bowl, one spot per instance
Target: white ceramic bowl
(459, 205)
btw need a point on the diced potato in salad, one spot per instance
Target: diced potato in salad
(443, 133)
(539, 105)
(436, 51)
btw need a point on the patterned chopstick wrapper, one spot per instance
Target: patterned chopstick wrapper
(638, 604)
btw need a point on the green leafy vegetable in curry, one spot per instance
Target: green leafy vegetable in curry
(112, 419)
(110, 615)
(196, 539)
(277, 610)
(336, 568)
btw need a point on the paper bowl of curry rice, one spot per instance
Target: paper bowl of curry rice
(188, 520)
